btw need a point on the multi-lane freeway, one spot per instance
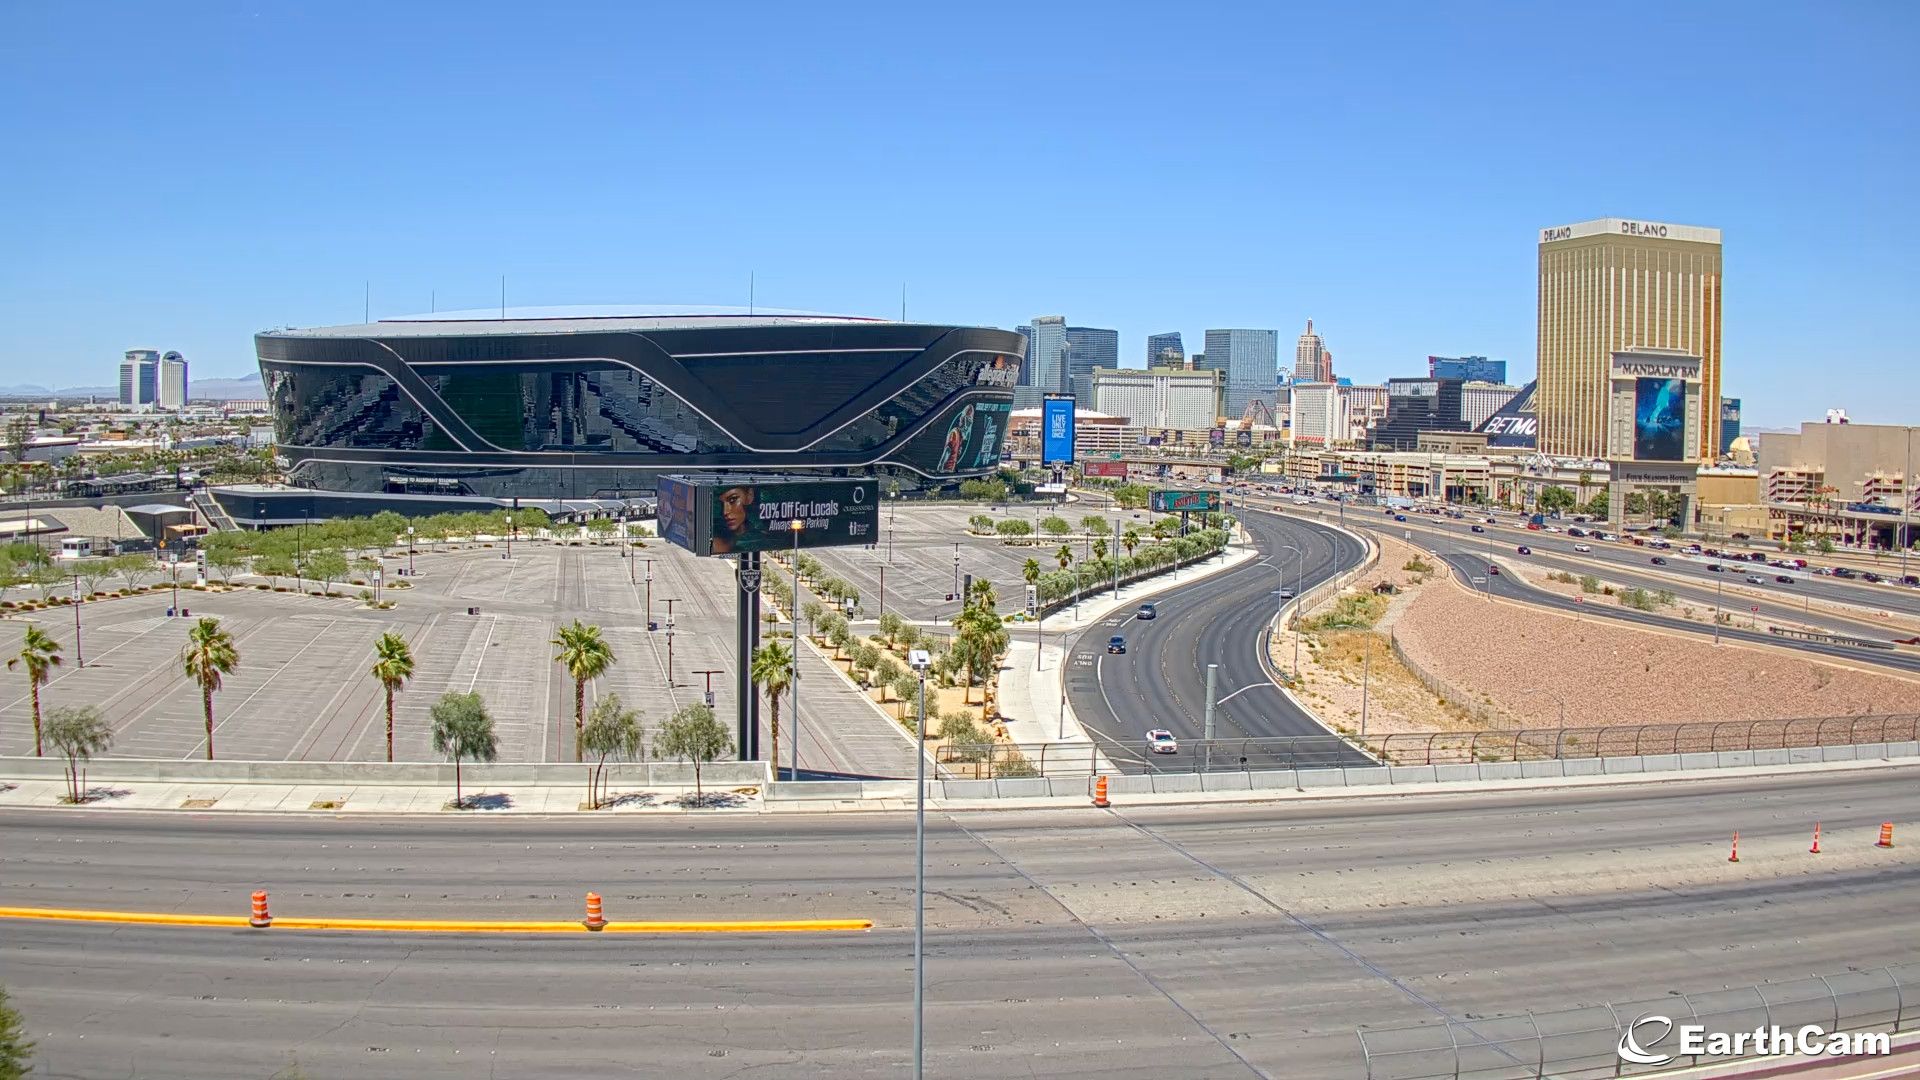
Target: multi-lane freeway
(1160, 682)
(1153, 943)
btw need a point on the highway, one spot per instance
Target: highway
(1161, 679)
(1176, 942)
(1469, 560)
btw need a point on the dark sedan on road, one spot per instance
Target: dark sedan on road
(1716, 568)
(1479, 528)
(1783, 579)
(1117, 644)
(1523, 550)
(1658, 561)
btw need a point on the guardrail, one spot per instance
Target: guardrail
(1000, 760)
(1585, 1042)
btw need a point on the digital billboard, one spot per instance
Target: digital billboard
(1216, 437)
(1056, 431)
(1174, 502)
(966, 440)
(674, 514)
(1117, 469)
(711, 514)
(1244, 438)
(1659, 419)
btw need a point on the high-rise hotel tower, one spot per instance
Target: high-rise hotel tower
(1615, 285)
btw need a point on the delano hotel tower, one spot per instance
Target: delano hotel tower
(1614, 285)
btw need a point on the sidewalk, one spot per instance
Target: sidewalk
(488, 800)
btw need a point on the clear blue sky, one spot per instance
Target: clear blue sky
(179, 176)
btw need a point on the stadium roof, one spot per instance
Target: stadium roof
(574, 319)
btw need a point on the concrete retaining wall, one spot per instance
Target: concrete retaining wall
(376, 773)
(1302, 779)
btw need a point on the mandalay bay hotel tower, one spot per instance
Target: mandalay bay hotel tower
(1615, 285)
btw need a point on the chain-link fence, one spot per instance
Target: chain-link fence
(1587, 1042)
(1007, 759)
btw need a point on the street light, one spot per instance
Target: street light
(919, 661)
(409, 551)
(1557, 697)
(797, 526)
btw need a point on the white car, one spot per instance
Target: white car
(1161, 741)
(1583, 547)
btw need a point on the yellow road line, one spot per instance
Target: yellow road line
(454, 926)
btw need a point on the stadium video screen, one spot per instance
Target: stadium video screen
(1659, 419)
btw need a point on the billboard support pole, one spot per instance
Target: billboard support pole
(746, 615)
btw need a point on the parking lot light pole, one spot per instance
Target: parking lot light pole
(670, 601)
(797, 526)
(409, 551)
(649, 589)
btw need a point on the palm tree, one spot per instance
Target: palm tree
(392, 667)
(1064, 556)
(773, 672)
(39, 655)
(586, 656)
(1031, 571)
(984, 596)
(209, 654)
(1130, 540)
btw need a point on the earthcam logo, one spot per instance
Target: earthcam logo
(1640, 1041)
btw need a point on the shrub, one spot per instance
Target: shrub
(1417, 565)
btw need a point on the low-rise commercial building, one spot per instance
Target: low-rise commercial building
(1846, 482)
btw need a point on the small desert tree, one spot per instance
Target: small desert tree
(462, 729)
(16, 1050)
(78, 733)
(612, 731)
(695, 735)
(326, 566)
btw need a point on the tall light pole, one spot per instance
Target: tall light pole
(919, 661)
(1557, 697)
(670, 601)
(409, 551)
(79, 650)
(1906, 507)
(796, 526)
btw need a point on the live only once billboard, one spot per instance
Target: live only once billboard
(711, 514)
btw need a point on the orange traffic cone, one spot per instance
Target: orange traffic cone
(595, 920)
(1886, 834)
(1735, 857)
(1100, 792)
(1816, 839)
(260, 917)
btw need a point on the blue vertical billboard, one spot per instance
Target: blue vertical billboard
(1659, 419)
(1056, 430)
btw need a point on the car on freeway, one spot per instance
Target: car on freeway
(1493, 570)
(1491, 521)
(1692, 549)
(1910, 579)
(1117, 644)
(1161, 741)
(1823, 571)
(1479, 528)
(1399, 517)
(1657, 561)
(1868, 575)
(1783, 579)
(1845, 572)
(1756, 579)
(1716, 568)
(1583, 547)
(1523, 550)
(1147, 611)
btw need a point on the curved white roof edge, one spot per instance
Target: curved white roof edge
(618, 311)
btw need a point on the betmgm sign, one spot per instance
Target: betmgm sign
(1654, 424)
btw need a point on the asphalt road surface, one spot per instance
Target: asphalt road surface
(1196, 942)
(1161, 679)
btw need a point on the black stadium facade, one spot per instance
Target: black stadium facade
(554, 404)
